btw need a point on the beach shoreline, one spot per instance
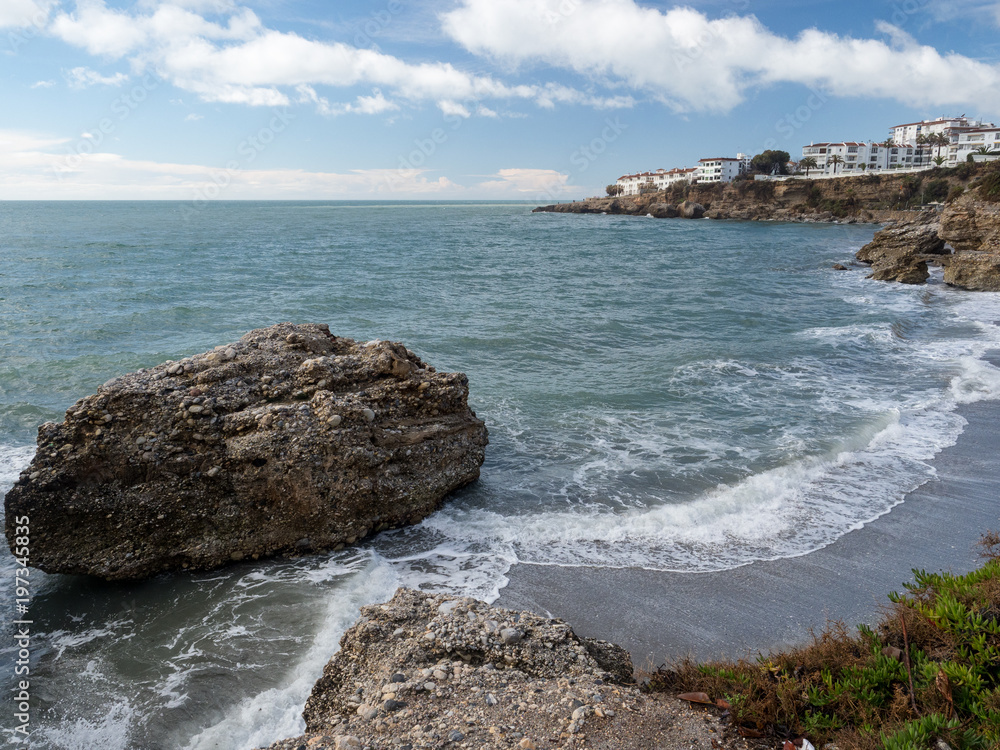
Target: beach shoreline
(767, 605)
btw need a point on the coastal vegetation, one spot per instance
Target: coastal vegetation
(928, 671)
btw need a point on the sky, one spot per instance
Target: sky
(540, 100)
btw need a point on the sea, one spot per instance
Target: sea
(672, 395)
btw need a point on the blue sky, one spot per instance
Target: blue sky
(457, 99)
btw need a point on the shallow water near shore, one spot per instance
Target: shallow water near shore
(668, 395)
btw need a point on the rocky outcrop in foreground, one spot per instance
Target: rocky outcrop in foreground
(970, 227)
(286, 441)
(900, 252)
(432, 671)
(973, 229)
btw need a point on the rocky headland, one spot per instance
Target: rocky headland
(962, 234)
(289, 440)
(433, 671)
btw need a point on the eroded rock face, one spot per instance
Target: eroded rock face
(415, 632)
(691, 210)
(978, 272)
(900, 252)
(289, 440)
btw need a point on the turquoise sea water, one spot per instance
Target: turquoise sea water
(667, 394)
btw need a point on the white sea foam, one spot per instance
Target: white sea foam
(107, 729)
(277, 713)
(13, 460)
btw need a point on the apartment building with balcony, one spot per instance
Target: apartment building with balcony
(661, 179)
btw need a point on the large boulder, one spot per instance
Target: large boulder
(978, 272)
(900, 252)
(289, 440)
(691, 210)
(970, 225)
(663, 210)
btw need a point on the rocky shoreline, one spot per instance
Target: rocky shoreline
(432, 671)
(964, 239)
(963, 236)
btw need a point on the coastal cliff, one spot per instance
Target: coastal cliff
(870, 198)
(964, 238)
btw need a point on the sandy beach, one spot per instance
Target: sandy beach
(660, 616)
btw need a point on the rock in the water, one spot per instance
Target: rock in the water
(287, 440)
(690, 210)
(899, 252)
(978, 272)
(908, 272)
(664, 210)
(970, 225)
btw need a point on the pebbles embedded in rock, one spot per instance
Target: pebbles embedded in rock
(367, 712)
(511, 636)
(287, 473)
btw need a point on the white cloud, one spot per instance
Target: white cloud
(21, 14)
(39, 167)
(691, 62)
(53, 168)
(81, 78)
(238, 60)
(528, 183)
(43, 84)
(194, 117)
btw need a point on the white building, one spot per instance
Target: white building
(857, 157)
(661, 179)
(971, 141)
(722, 168)
(953, 127)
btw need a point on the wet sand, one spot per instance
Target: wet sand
(660, 616)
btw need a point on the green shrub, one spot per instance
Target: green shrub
(988, 188)
(930, 670)
(936, 190)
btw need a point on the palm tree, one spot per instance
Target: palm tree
(808, 162)
(835, 160)
(939, 140)
(939, 160)
(922, 141)
(862, 166)
(985, 150)
(887, 144)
